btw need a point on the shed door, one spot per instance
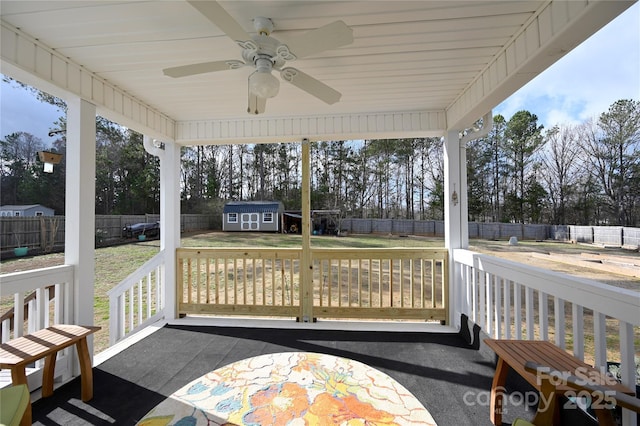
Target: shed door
(249, 222)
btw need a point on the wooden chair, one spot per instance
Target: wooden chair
(16, 406)
(548, 415)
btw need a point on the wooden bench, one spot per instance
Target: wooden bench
(517, 354)
(17, 353)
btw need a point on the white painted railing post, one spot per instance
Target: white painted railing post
(627, 367)
(517, 309)
(543, 309)
(600, 339)
(578, 330)
(559, 322)
(497, 306)
(529, 314)
(507, 308)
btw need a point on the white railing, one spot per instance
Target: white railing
(138, 300)
(596, 321)
(41, 297)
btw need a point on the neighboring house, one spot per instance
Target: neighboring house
(252, 216)
(31, 210)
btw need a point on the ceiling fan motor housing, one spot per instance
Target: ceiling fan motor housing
(263, 25)
(261, 47)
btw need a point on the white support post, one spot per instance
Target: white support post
(80, 200)
(306, 273)
(79, 205)
(452, 206)
(169, 155)
(455, 227)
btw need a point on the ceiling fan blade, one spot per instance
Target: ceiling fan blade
(324, 38)
(192, 69)
(310, 85)
(221, 19)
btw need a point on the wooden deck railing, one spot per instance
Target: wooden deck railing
(398, 283)
(347, 283)
(241, 281)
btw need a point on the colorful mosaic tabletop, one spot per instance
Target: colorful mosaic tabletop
(291, 388)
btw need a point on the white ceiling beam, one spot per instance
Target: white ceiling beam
(331, 127)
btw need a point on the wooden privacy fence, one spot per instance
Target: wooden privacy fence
(43, 233)
(347, 283)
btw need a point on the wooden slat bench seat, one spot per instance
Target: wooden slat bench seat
(17, 353)
(515, 354)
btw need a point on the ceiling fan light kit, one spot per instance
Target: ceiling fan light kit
(262, 83)
(266, 53)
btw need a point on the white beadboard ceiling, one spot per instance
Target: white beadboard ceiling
(407, 56)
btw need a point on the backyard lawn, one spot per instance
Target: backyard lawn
(115, 263)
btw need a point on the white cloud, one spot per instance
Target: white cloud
(583, 84)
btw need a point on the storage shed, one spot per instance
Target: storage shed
(30, 210)
(252, 216)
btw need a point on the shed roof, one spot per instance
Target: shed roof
(22, 207)
(253, 207)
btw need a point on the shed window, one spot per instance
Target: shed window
(39, 213)
(232, 217)
(267, 217)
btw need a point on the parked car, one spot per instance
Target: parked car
(150, 230)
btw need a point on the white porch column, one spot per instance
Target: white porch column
(456, 227)
(455, 193)
(170, 222)
(306, 274)
(80, 200)
(169, 155)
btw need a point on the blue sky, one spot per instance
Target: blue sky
(582, 85)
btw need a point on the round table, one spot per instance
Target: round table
(291, 388)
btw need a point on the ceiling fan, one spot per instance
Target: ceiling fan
(266, 53)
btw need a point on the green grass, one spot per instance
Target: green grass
(113, 264)
(257, 239)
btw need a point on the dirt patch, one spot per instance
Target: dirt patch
(614, 266)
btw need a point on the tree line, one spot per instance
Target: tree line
(586, 174)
